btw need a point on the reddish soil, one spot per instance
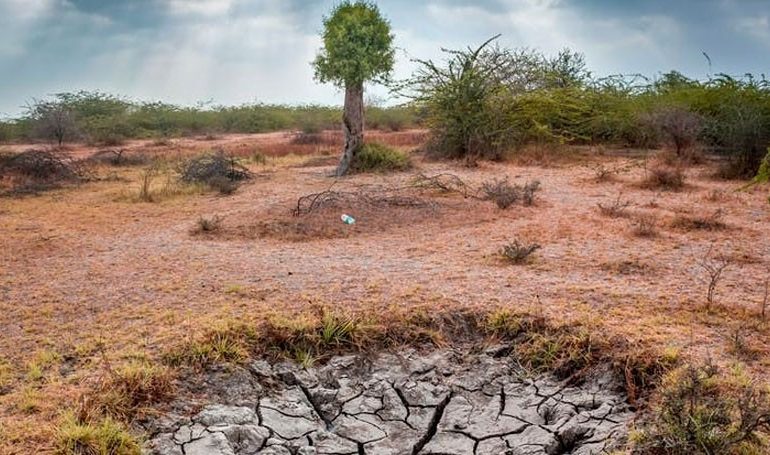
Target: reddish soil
(81, 268)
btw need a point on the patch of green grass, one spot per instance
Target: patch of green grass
(373, 157)
(43, 361)
(104, 437)
(223, 344)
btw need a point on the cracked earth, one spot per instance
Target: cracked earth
(444, 403)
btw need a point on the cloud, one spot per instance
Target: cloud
(235, 51)
(756, 27)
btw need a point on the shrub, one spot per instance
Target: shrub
(42, 165)
(104, 437)
(664, 177)
(373, 157)
(615, 208)
(216, 170)
(702, 412)
(505, 194)
(40, 170)
(517, 252)
(207, 225)
(677, 125)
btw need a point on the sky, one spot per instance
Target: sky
(242, 51)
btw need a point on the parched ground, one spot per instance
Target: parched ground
(88, 276)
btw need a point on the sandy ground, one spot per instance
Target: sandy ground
(82, 268)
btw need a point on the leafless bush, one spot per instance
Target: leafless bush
(660, 176)
(714, 266)
(445, 183)
(38, 170)
(615, 208)
(645, 225)
(517, 252)
(604, 173)
(505, 194)
(216, 170)
(368, 197)
(678, 127)
(710, 222)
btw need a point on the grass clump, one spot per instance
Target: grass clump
(645, 225)
(103, 437)
(701, 411)
(206, 225)
(221, 344)
(374, 157)
(126, 389)
(517, 252)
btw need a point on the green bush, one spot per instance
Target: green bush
(703, 412)
(373, 157)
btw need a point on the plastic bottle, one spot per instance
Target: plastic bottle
(347, 219)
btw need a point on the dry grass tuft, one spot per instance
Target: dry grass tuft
(103, 437)
(122, 392)
(712, 222)
(516, 252)
(645, 225)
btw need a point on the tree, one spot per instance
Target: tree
(53, 120)
(358, 48)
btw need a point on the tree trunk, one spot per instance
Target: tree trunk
(352, 125)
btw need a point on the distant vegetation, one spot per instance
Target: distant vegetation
(107, 119)
(489, 101)
(483, 103)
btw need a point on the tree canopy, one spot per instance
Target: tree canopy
(358, 46)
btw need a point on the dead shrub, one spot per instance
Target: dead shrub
(645, 225)
(505, 194)
(216, 170)
(616, 208)
(660, 176)
(711, 222)
(37, 170)
(517, 252)
(714, 266)
(677, 126)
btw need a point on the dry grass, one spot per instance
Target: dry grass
(707, 222)
(78, 271)
(645, 225)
